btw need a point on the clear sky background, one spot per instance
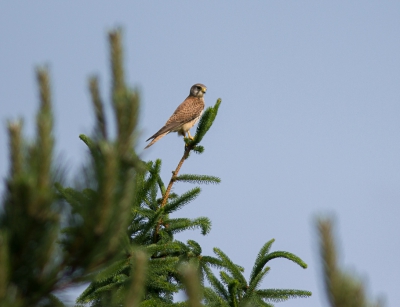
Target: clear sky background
(309, 122)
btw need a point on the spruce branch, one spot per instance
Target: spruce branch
(287, 255)
(279, 295)
(341, 288)
(180, 224)
(98, 108)
(192, 285)
(198, 149)
(234, 269)
(136, 289)
(117, 69)
(198, 179)
(234, 288)
(213, 299)
(107, 186)
(16, 156)
(212, 261)
(216, 284)
(125, 101)
(205, 123)
(148, 227)
(257, 280)
(260, 260)
(44, 128)
(162, 186)
(182, 200)
(195, 247)
(42, 76)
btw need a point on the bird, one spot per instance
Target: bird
(185, 116)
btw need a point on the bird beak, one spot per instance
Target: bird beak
(204, 90)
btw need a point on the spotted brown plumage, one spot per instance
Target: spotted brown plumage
(185, 116)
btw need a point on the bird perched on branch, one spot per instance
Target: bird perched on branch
(185, 116)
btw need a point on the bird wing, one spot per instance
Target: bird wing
(165, 129)
(187, 111)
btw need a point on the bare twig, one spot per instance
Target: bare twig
(175, 174)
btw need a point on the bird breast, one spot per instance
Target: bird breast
(188, 125)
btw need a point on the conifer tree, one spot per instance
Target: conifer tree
(151, 235)
(37, 259)
(151, 231)
(115, 228)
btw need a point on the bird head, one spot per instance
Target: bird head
(198, 90)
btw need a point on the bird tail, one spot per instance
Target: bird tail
(156, 139)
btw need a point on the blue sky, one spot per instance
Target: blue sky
(309, 122)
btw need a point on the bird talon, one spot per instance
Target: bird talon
(190, 137)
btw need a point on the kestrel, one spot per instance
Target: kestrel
(185, 116)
